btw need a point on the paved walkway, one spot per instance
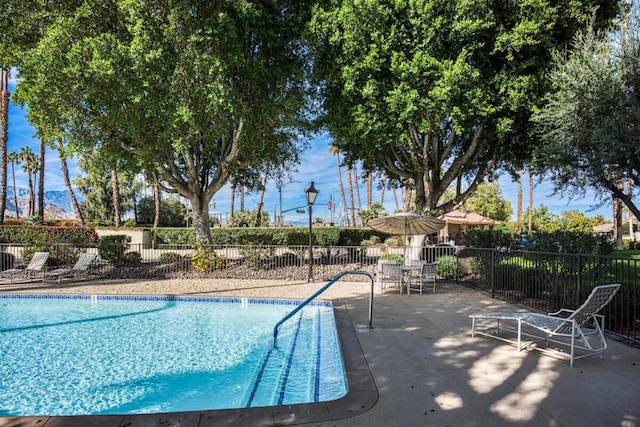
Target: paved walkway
(428, 370)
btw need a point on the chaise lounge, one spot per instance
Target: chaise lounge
(575, 329)
(81, 267)
(32, 270)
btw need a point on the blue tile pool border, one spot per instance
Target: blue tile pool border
(234, 300)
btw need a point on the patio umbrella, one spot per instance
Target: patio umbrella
(406, 224)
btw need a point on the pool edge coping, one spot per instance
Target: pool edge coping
(361, 396)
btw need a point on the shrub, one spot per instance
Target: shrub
(479, 238)
(391, 257)
(206, 260)
(29, 251)
(112, 248)
(170, 257)
(132, 258)
(448, 267)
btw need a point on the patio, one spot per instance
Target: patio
(427, 368)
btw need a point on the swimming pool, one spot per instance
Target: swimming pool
(73, 355)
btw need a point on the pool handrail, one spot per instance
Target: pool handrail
(321, 290)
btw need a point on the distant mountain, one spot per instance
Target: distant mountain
(57, 204)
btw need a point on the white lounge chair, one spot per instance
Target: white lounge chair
(427, 277)
(571, 328)
(32, 270)
(81, 267)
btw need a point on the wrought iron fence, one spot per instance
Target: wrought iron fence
(544, 281)
(550, 281)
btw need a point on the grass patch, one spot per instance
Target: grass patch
(627, 253)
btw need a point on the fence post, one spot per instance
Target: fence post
(493, 273)
(579, 291)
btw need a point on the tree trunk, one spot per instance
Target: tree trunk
(264, 190)
(41, 182)
(617, 222)
(395, 197)
(157, 202)
(632, 234)
(352, 213)
(242, 195)
(356, 183)
(31, 190)
(382, 190)
(369, 190)
(201, 225)
(406, 198)
(4, 138)
(530, 201)
(15, 194)
(115, 187)
(341, 186)
(519, 202)
(232, 202)
(67, 183)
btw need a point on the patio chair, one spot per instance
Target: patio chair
(427, 277)
(81, 267)
(32, 270)
(391, 273)
(574, 329)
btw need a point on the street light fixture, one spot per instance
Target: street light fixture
(311, 194)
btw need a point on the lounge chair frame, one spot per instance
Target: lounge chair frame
(81, 267)
(33, 269)
(575, 329)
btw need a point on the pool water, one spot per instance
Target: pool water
(78, 355)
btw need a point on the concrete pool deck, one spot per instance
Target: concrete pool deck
(417, 366)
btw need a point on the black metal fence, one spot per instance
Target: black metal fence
(550, 281)
(544, 281)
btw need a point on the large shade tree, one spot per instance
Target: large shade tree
(437, 93)
(194, 91)
(590, 125)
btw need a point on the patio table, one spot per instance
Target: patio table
(407, 274)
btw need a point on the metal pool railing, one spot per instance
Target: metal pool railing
(317, 293)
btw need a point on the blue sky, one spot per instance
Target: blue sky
(317, 165)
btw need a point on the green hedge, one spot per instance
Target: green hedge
(323, 236)
(47, 235)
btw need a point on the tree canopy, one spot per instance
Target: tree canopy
(590, 126)
(195, 91)
(439, 93)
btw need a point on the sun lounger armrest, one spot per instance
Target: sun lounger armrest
(563, 312)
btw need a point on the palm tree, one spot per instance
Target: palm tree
(12, 157)
(383, 188)
(352, 214)
(356, 181)
(334, 149)
(258, 222)
(369, 188)
(519, 207)
(4, 138)
(67, 182)
(27, 158)
(530, 200)
(232, 202)
(41, 182)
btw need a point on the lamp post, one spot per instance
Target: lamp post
(311, 194)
